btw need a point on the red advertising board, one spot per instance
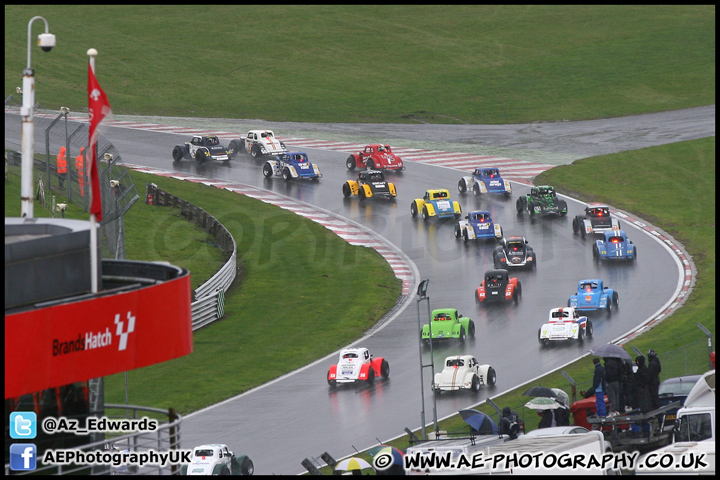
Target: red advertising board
(72, 342)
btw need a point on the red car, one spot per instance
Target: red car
(497, 286)
(375, 157)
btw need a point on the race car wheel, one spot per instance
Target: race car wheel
(221, 470)
(332, 383)
(634, 259)
(608, 308)
(475, 387)
(199, 156)
(576, 225)
(596, 254)
(581, 336)
(235, 147)
(350, 163)
(267, 170)
(385, 369)
(477, 299)
(183, 470)
(531, 208)
(496, 262)
(255, 151)
(491, 376)
(242, 466)
(457, 231)
(589, 329)
(476, 190)
(370, 165)
(361, 193)
(177, 154)
(413, 210)
(465, 236)
(371, 376)
(286, 174)
(543, 341)
(462, 188)
(462, 336)
(425, 214)
(471, 329)
(346, 190)
(563, 207)
(518, 289)
(521, 204)
(616, 299)
(515, 296)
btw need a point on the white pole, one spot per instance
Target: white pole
(93, 222)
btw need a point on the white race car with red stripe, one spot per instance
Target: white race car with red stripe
(463, 372)
(258, 143)
(357, 365)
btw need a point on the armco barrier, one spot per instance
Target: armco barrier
(208, 298)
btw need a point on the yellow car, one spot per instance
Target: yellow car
(436, 203)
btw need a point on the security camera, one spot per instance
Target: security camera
(46, 41)
(114, 183)
(62, 206)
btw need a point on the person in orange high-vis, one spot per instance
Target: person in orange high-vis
(80, 167)
(62, 166)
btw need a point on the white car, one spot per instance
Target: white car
(597, 219)
(357, 365)
(463, 372)
(216, 459)
(258, 143)
(565, 324)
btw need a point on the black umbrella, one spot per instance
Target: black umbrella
(610, 350)
(479, 422)
(540, 391)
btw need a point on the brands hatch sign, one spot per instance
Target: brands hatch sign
(72, 342)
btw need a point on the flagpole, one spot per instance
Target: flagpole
(93, 221)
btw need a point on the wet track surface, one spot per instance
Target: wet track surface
(298, 416)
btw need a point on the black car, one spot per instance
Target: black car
(201, 148)
(514, 252)
(369, 184)
(542, 201)
(672, 390)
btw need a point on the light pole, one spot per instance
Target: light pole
(46, 41)
(422, 295)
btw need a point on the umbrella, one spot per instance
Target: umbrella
(562, 397)
(543, 403)
(352, 463)
(480, 422)
(612, 351)
(381, 453)
(540, 391)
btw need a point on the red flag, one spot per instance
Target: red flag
(98, 108)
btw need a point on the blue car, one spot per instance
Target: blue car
(291, 165)
(485, 180)
(592, 296)
(478, 225)
(615, 245)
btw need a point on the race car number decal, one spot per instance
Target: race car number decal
(443, 205)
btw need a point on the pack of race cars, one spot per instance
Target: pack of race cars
(510, 252)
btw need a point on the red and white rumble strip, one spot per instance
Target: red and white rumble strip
(353, 233)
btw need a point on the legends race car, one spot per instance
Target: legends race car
(291, 165)
(201, 148)
(485, 180)
(448, 323)
(498, 286)
(357, 365)
(478, 225)
(375, 157)
(216, 459)
(258, 143)
(369, 184)
(615, 245)
(463, 372)
(541, 201)
(435, 203)
(597, 219)
(592, 295)
(565, 324)
(514, 252)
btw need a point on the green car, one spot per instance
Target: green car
(448, 323)
(541, 201)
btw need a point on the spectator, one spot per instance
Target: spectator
(562, 415)
(62, 166)
(642, 385)
(509, 424)
(80, 167)
(599, 386)
(613, 375)
(654, 370)
(548, 419)
(627, 386)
